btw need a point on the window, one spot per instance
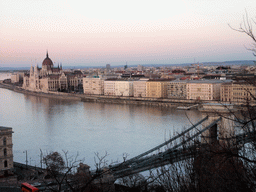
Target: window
(4, 141)
(5, 152)
(5, 163)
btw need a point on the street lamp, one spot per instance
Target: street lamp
(41, 158)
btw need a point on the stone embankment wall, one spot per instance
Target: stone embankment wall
(107, 99)
(138, 101)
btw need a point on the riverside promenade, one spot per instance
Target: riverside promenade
(108, 99)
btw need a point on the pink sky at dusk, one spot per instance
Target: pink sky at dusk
(138, 32)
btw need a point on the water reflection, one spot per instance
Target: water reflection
(52, 124)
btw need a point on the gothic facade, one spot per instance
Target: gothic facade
(50, 78)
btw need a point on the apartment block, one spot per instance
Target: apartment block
(177, 89)
(124, 88)
(204, 89)
(93, 86)
(226, 92)
(156, 89)
(17, 77)
(109, 87)
(139, 88)
(238, 92)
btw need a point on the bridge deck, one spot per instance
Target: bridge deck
(178, 152)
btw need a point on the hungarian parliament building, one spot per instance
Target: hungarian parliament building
(50, 78)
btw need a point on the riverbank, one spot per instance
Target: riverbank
(107, 99)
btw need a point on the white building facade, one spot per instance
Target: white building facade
(204, 89)
(109, 87)
(93, 86)
(139, 88)
(124, 88)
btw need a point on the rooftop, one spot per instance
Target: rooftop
(5, 128)
(210, 81)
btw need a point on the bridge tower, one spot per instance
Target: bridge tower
(6, 155)
(224, 130)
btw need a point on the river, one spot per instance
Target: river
(86, 128)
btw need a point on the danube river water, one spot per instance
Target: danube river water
(86, 128)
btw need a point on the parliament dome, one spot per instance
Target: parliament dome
(47, 61)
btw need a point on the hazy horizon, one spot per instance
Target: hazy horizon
(78, 33)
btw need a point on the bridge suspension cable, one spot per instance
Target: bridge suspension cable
(169, 141)
(163, 144)
(146, 163)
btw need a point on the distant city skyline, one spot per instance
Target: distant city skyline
(78, 33)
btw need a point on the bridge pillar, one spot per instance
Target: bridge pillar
(227, 130)
(223, 132)
(211, 135)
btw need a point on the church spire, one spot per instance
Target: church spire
(47, 54)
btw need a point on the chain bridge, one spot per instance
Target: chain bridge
(178, 149)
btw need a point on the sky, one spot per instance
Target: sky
(100, 32)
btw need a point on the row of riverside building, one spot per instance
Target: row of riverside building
(176, 89)
(215, 90)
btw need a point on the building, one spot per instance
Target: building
(124, 88)
(6, 155)
(53, 83)
(240, 91)
(17, 78)
(157, 88)
(139, 88)
(41, 79)
(93, 85)
(226, 92)
(204, 89)
(177, 89)
(109, 87)
(108, 66)
(50, 78)
(140, 68)
(74, 80)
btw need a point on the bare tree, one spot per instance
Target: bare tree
(136, 182)
(101, 180)
(60, 170)
(246, 27)
(227, 166)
